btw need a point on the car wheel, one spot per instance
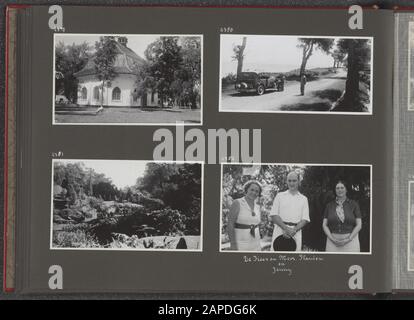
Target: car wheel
(260, 90)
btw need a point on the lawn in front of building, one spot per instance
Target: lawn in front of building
(133, 116)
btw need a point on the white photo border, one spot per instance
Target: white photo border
(296, 252)
(409, 93)
(220, 109)
(51, 247)
(179, 123)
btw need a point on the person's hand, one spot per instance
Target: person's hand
(346, 241)
(337, 242)
(289, 232)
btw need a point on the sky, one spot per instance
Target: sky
(268, 54)
(122, 172)
(138, 43)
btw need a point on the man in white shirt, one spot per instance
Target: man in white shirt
(290, 212)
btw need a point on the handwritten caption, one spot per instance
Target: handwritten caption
(282, 263)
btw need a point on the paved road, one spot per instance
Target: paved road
(273, 100)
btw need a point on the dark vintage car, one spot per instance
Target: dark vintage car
(259, 82)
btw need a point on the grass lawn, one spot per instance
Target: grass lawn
(133, 116)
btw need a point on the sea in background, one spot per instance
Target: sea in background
(228, 68)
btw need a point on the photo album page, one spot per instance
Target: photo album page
(205, 150)
(403, 224)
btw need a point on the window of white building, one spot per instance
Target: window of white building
(96, 93)
(84, 93)
(116, 94)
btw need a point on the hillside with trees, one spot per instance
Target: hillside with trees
(161, 208)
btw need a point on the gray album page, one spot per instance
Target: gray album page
(403, 268)
(207, 150)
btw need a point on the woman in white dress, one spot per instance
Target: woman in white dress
(244, 219)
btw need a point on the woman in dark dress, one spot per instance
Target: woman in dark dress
(342, 222)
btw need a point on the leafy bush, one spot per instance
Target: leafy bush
(148, 202)
(76, 227)
(311, 75)
(71, 214)
(74, 239)
(94, 202)
(230, 79)
(169, 221)
(294, 75)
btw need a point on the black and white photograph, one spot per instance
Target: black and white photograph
(127, 205)
(127, 79)
(296, 74)
(411, 66)
(410, 226)
(298, 208)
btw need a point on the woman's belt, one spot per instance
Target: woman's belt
(292, 224)
(252, 227)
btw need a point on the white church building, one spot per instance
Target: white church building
(122, 90)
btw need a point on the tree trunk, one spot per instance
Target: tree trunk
(102, 88)
(307, 52)
(193, 101)
(352, 79)
(303, 64)
(241, 56)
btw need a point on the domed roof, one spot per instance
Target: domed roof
(126, 62)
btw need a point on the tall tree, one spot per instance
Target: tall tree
(358, 58)
(69, 59)
(308, 45)
(191, 52)
(145, 81)
(239, 55)
(173, 69)
(177, 185)
(104, 61)
(164, 56)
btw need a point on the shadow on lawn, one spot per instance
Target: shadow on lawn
(334, 77)
(331, 94)
(328, 96)
(307, 107)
